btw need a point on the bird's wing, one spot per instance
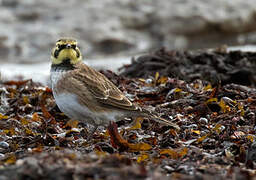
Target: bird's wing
(102, 88)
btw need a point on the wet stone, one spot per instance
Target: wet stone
(4, 144)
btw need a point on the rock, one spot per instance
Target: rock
(4, 144)
(10, 3)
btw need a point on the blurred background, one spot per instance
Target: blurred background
(110, 32)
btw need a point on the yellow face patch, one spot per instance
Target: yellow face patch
(66, 49)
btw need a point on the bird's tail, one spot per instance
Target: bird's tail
(153, 116)
(164, 121)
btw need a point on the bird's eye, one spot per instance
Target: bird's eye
(56, 53)
(58, 45)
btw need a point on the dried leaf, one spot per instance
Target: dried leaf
(251, 137)
(46, 114)
(142, 157)
(217, 128)
(3, 116)
(173, 154)
(38, 149)
(225, 108)
(10, 131)
(118, 141)
(196, 131)
(173, 132)
(106, 134)
(137, 123)
(157, 76)
(211, 100)
(229, 154)
(213, 93)
(202, 138)
(238, 134)
(162, 80)
(71, 131)
(241, 108)
(17, 83)
(72, 123)
(28, 131)
(48, 90)
(139, 147)
(183, 152)
(176, 90)
(35, 117)
(100, 153)
(142, 80)
(11, 159)
(26, 99)
(208, 87)
(152, 140)
(115, 137)
(24, 121)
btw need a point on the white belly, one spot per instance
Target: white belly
(68, 104)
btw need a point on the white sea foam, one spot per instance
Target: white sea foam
(40, 72)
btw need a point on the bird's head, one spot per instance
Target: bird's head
(66, 51)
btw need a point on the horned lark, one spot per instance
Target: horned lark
(85, 94)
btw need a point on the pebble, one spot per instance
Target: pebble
(251, 115)
(203, 120)
(4, 144)
(2, 156)
(228, 100)
(149, 81)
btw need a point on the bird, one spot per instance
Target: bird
(86, 95)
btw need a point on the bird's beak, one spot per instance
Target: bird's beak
(68, 46)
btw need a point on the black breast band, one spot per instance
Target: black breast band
(65, 65)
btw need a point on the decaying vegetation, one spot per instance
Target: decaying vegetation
(211, 95)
